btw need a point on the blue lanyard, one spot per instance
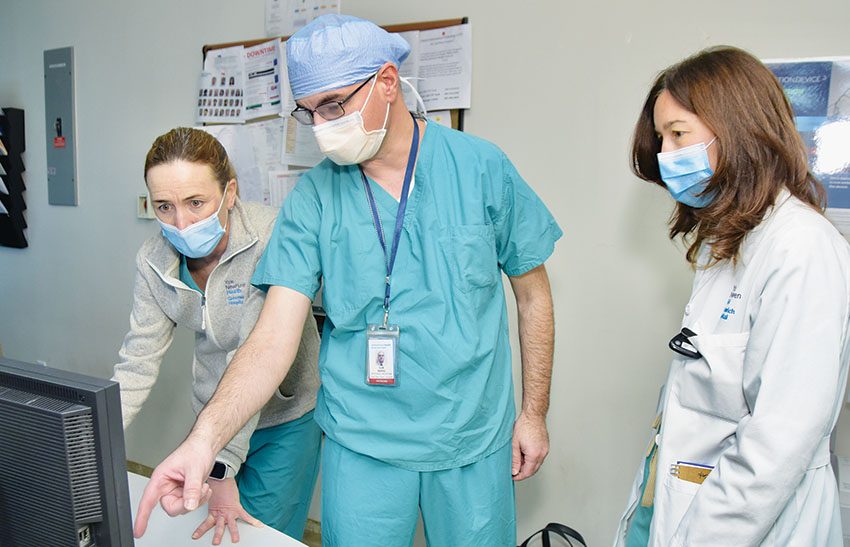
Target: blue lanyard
(399, 219)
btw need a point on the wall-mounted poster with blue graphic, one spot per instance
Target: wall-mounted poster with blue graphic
(819, 91)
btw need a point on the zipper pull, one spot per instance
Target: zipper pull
(203, 312)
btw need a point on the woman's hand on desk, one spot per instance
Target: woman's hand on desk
(224, 509)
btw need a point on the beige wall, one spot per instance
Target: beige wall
(556, 84)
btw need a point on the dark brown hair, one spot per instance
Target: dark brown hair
(192, 145)
(759, 148)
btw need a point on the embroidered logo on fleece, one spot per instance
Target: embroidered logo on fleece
(235, 292)
(730, 304)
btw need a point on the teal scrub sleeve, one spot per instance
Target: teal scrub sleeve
(525, 230)
(292, 257)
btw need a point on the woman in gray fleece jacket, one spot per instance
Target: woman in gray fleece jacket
(197, 274)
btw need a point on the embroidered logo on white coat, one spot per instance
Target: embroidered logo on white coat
(730, 304)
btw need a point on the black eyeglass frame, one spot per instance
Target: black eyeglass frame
(297, 113)
(681, 344)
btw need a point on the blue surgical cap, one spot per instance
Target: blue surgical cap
(334, 51)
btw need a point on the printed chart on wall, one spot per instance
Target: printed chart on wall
(284, 17)
(239, 83)
(819, 91)
(259, 152)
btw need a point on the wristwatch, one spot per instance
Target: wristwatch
(221, 471)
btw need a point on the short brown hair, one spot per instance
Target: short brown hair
(760, 150)
(192, 145)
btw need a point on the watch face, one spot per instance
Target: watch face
(219, 471)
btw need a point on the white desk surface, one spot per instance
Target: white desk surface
(177, 531)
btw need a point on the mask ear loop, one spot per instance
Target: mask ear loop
(419, 101)
(226, 209)
(369, 96)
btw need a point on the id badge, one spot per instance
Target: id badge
(382, 355)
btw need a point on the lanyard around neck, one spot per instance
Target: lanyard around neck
(402, 205)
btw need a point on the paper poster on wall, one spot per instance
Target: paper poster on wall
(240, 83)
(281, 183)
(445, 67)
(262, 79)
(254, 149)
(299, 145)
(284, 17)
(219, 99)
(221, 87)
(286, 100)
(819, 91)
(241, 156)
(265, 139)
(439, 66)
(409, 69)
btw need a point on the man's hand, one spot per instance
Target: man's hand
(224, 509)
(178, 484)
(536, 324)
(530, 446)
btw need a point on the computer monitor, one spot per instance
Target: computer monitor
(63, 474)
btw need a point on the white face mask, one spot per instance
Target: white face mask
(345, 140)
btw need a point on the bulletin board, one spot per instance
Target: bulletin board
(269, 150)
(456, 113)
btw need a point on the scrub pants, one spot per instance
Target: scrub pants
(276, 481)
(369, 502)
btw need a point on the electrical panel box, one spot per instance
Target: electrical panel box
(59, 113)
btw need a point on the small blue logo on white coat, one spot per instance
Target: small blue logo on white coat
(235, 292)
(729, 309)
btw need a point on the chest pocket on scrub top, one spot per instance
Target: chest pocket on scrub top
(713, 384)
(470, 254)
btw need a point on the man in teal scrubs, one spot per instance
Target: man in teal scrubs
(409, 226)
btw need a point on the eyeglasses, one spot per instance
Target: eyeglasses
(330, 110)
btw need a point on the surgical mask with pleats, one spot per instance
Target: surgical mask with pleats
(345, 140)
(686, 172)
(198, 239)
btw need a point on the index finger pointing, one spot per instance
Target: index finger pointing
(150, 497)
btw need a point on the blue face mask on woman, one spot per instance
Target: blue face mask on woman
(198, 239)
(686, 172)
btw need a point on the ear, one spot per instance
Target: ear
(388, 76)
(233, 191)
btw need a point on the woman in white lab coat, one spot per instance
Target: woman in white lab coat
(740, 451)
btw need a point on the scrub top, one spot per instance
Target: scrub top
(186, 276)
(469, 217)
(641, 520)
